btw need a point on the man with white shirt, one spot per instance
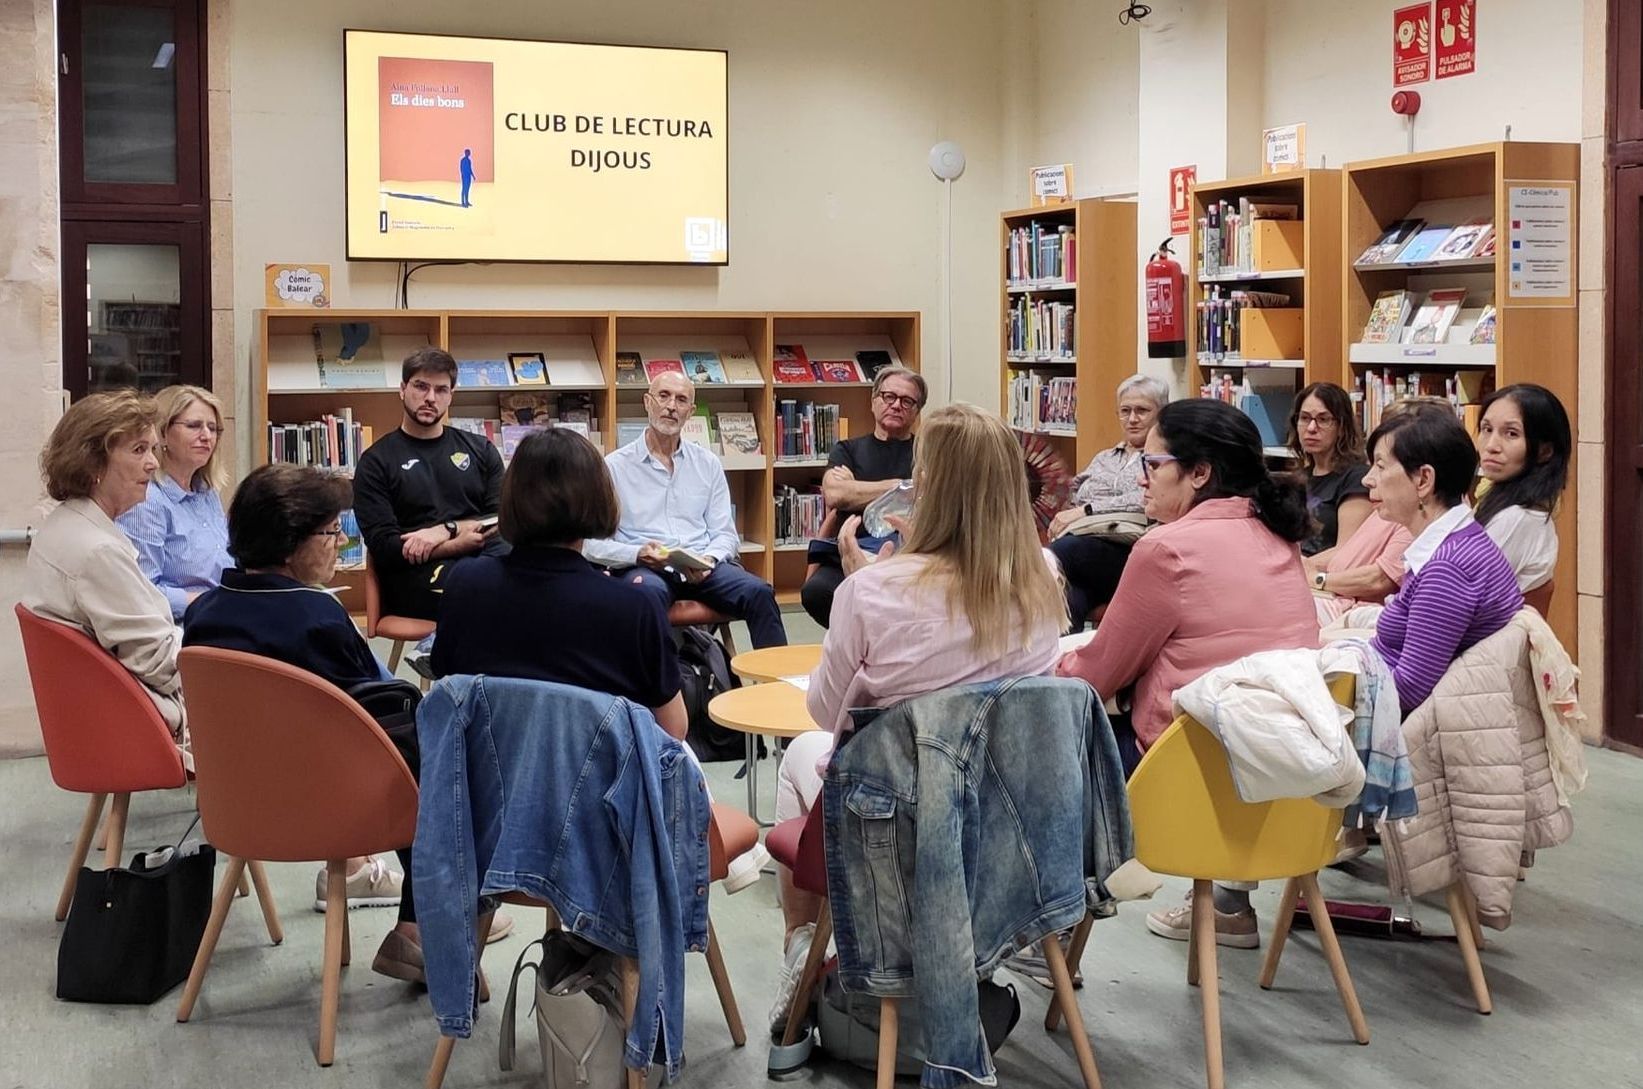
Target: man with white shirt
(674, 495)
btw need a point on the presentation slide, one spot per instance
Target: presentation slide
(487, 149)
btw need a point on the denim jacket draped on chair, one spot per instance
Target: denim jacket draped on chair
(962, 826)
(573, 797)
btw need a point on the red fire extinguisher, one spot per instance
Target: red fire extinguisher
(1166, 299)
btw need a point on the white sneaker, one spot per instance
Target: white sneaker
(798, 951)
(744, 870)
(372, 885)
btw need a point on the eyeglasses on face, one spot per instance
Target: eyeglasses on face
(422, 389)
(335, 533)
(196, 426)
(666, 398)
(1149, 462)
(1319, 420)
(894, 400)
(1139, 412)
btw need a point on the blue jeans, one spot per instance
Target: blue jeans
(729, 589)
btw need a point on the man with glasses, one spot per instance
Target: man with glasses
(425, 494)
(861, 469)
(674, 496)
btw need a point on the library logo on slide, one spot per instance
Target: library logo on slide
(705, 236)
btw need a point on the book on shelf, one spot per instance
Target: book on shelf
(1486, 246)
(529, 368)
(1043, 403)
(514, 434)
(1464, 240)
(1484, 331)
(798, 515)
(471, 373)
(655, 368)
(697, 427)
(806, 430)
(1220, 318)
(1388, 317)
(484, 427)
(630, 370)
(1267, 406)
(872, 361)
(739, 433)
(334, 441)
(1436, 313)
(524, 408)
(1038, 327)
(740, 366)
(1373, 393)
(790, 364)
(630, 429)
(351, 552)
(702, 367)
(836, 370)
(1226, 232)
(1423, 245)
(1391, 240)
(1042, 252)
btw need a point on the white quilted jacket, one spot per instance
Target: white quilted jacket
(1482, 780)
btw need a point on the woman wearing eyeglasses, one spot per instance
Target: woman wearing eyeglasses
(1324, 431)
(179, 528)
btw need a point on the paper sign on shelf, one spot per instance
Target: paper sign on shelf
(1051, 184)
(1540, 243)
(1283, 149)
(1412, 45)
(297, 286)
(1181, 181)
(1457, 33)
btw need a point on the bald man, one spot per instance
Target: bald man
(674, 495)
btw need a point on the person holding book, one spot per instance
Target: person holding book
(861, 469)
(422, 492)
(676, 538)
(179, 528)
(1324, 431)
(969, 597)
(1109, 484)
(1220, 578)
(1523, 443)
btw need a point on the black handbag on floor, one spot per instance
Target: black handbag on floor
(132, 933)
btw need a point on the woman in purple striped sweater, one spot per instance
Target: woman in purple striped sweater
(1460, 588)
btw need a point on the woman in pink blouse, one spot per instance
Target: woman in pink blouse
(970, 597)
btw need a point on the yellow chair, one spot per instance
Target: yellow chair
(1190, 822)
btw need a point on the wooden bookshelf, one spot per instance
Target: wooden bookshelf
(284, 338)
(1102, 292)
(1536, 338)
(1313, 282)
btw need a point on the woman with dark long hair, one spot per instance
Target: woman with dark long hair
(1523, 442)
(1324, 432)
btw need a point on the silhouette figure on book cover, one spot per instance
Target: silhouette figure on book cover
(467, 168)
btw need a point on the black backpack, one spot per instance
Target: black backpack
(704, 672)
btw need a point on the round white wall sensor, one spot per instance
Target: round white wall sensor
(947, 160)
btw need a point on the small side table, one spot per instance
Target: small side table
(776, 710)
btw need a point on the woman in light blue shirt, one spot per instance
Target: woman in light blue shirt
(180, 530)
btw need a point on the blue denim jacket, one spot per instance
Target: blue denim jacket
(962, 826)
(573, 797)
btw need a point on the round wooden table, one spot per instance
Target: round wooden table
(775, 709)
(774, 663)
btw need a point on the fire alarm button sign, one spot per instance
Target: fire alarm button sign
(1457, 33)
(1412, 45)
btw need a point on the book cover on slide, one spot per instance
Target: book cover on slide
(436, 155)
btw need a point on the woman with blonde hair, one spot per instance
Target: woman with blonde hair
(969, 597)
(81, 569)
(179, 528)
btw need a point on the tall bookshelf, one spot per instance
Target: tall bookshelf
(1536, 334)
(1102, 294)
(581, 349)
(1294, 344)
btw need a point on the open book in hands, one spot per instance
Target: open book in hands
(682, 559)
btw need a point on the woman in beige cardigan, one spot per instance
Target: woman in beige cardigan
(82, 569)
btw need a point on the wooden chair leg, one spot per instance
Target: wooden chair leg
(1460, 917)
(811, 973)
(479, 969)
(265, 897)
(347, 938)
(889, 1016)
(1325, 927)
(245, 884)
(393, 655)
(82, 847)
(1280, 928)
(441, 1060)
(1203, 940)
(630, 1002)
(116, 830)
(721, 984)
(336, 924)
(1075, 957)
(208, 941)
(1192, 945)
(1067, 999)
(1472, 914)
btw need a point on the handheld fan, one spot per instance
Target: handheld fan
(1049, 482)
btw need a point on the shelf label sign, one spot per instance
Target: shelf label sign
(1540, 243)
(297, 286)
(1412, 45)
(1051, 184)
(1283, 149)
(1457, 32)
(1181, 181)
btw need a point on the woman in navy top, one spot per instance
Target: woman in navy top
(544, 613)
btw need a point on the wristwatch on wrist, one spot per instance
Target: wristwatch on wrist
(450, 527)
(1318, 580)
(1089, 510)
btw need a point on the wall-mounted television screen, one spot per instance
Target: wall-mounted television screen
(490, 149)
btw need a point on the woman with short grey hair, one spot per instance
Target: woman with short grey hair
(1111, 483)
